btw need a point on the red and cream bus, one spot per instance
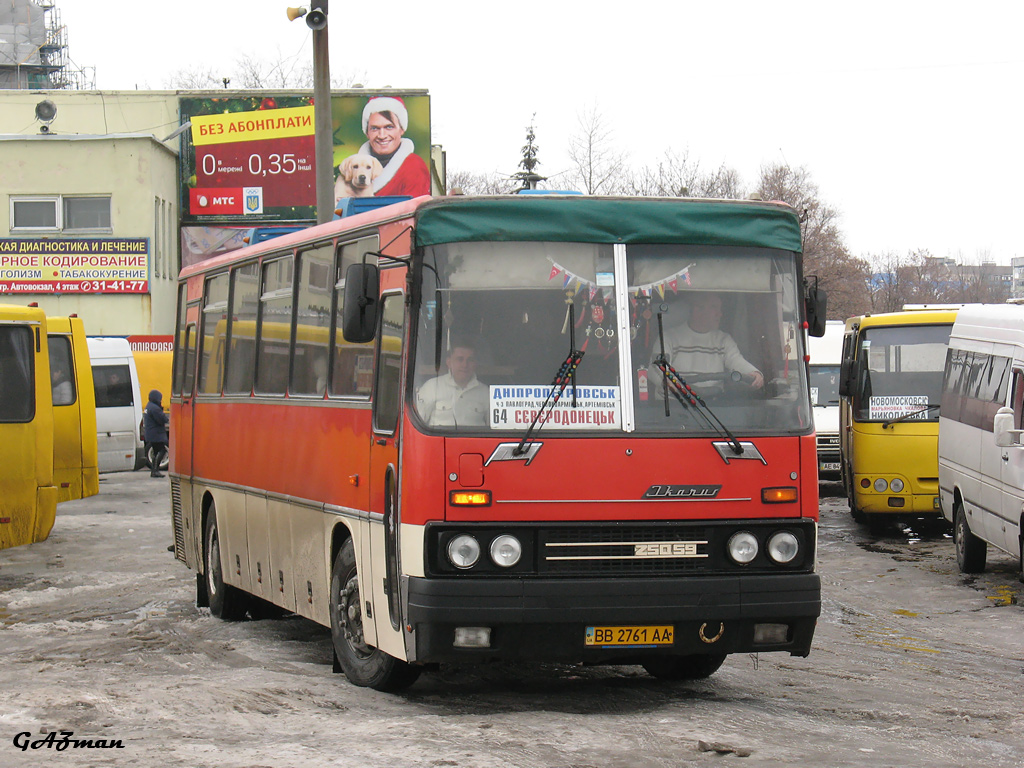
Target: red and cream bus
(592, 506)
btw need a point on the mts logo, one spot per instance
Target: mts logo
(205, 202)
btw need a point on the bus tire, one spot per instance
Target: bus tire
(226, 602)
(363, 666)
(696, 667)
(970, 550)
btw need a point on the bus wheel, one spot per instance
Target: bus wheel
(226, 602)
(364, 666)
(696, 667)
(970, 550)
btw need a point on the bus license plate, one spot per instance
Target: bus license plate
(629, 636)
(829, 466)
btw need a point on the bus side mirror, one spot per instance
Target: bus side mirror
(844, 377)
(815, 302)
(1002, 428)
(362, 300)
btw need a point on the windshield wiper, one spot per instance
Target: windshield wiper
(905, 416)
(672, 382)
(566, 374)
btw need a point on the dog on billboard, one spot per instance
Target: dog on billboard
(355, 176)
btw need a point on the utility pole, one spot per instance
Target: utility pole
(323, 140)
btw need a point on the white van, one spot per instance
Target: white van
(118, 410)
(981, 423)
(826, 353)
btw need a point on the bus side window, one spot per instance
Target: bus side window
(190, 360)
(241, 357)
(312, 322)
(17, 401)
(351, 364)
(61, 366)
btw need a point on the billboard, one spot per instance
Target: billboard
(248, 159)
(81, 265)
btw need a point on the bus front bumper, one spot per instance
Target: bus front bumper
(547, 619)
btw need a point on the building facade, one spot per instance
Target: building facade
(104, 191)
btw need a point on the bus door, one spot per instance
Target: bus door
(75, 457)
(188, 538)
(180, 448)
(382, 564)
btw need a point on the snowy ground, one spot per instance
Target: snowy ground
(913, 665)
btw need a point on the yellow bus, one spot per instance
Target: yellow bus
(28, 495)
(75, 454)
(890, 384)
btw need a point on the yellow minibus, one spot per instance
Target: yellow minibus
(890, 384)
(28, 496)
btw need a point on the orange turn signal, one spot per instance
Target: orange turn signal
(470, 498)
(782, 495)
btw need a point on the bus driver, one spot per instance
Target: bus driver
(458, 398)
(698, 348)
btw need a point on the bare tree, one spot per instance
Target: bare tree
(254, 73)
(596, 167)
(470, 183)
(674, 175)
(977, 280)
(197, 78)
(894, 281)
(826, 256)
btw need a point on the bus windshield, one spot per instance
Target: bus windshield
(899, 373)
(497, 321)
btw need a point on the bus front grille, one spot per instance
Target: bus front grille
(624, 551)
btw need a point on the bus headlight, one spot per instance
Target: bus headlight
(783, 547)
(463, 551)
(742, 547)
(506, 551)
(881, 485)
(896, 485)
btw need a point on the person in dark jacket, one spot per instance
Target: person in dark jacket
(154, 432)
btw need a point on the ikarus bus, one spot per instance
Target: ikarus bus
(461, 429)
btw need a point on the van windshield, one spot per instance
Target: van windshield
(824, 385)
(899, 373)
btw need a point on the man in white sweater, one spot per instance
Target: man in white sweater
(698, 348)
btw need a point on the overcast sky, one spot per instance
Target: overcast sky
(907, 114)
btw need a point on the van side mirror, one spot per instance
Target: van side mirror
(815, 302)
(1002, 428)
(362, 302)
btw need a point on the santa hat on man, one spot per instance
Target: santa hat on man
(391, 104)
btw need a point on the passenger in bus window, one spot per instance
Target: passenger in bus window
(703, 354)
(63, 392)
(458, 398)
(385, 121)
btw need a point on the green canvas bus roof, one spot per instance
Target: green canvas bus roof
(581, 219)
